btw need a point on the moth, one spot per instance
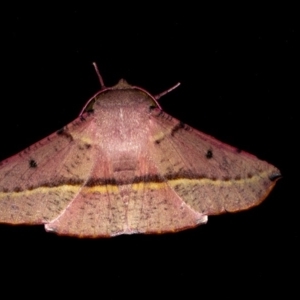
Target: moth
(125, 166)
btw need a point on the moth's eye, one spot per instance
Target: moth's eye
(90, 107)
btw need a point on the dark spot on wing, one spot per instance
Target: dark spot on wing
(84, 146)
(209, 154)
(32, 163)
(157, 141)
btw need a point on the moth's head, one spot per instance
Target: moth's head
(121, 95)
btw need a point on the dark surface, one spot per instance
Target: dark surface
(238, 83)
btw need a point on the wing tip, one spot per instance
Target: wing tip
(275, 176)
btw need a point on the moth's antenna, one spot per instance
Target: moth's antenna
(102, 88)
(167, 91)
(99, 76)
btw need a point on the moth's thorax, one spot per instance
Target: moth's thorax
(122, 122)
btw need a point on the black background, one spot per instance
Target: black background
(241, 68)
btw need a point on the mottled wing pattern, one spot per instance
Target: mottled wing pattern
(100, 209)
(153, 206)
(37, 184)
(209, 176)
(111, 209)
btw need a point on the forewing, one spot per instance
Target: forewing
(37, 184)
(208, 175)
